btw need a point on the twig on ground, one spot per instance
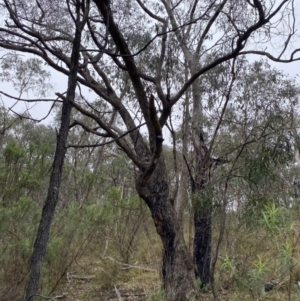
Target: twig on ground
(129, 266)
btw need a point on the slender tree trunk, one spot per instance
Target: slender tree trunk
(183, 182)
(177, 267)
(42, 236)
(40, 244)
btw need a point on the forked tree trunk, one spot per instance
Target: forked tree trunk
(177, 267)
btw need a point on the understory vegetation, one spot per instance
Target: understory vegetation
(103, 244)
(167, 165)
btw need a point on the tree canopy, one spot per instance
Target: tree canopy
(150, 64)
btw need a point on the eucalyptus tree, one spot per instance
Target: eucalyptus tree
(223, 26)
(43, 231)
(261, 119)
(26, 156)
(133, 56)
(244, 138)
(256, 140)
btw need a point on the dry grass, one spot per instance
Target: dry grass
(94, 280)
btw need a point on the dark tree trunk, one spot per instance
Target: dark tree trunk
(42, 236)
(202, 245)
(202, 215)
(177, 267)
(41, 240)
(152, 183)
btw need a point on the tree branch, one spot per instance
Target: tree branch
(104, 143)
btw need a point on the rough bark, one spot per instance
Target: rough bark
(177, 267)
(202, 245)
(28, 39)
(202, 205)
(202, 220)
(152, 184)
(49, 206)
(42, 236)
(202, 217)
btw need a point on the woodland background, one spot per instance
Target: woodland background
(170, 141)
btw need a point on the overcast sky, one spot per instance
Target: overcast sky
(59, 83)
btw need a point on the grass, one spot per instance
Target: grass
(91, 279)
(247, 259)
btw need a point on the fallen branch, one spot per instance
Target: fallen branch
(62, 296)
(118, 293)
(129, 266)
(88, 278)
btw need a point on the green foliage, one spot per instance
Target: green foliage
(18, 222)
(113, 195)
(92, 210)
(13, 153)
(25, 75)
(275, 218)
(228, 266)
(286, 254)
(256, 277)
(100, 216)
(159, 295)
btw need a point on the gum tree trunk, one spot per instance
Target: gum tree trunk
(202, 215)
(202, 202)
(177, 267)
(202, 245)
(42, 236)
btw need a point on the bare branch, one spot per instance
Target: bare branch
(260, 9)
(227, 98)
(156, 145)
(104, 143)
(31, 100)
(151, 40)
(87, 129)
(150, 13)
(209, 25)
(271, 57)
(135, 159)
